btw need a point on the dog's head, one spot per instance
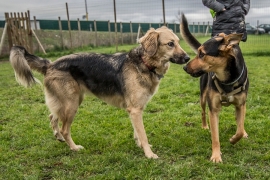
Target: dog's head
(163, 45)
(213, 55)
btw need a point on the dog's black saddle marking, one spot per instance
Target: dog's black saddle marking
(101, 73)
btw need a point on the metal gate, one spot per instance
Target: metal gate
(19, 30)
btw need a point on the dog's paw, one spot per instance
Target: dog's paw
(235, 138)
(216, 159)
(60, 139)
(59, 136)
(245, 135)
(76, 148)
(206, 127)
(151, 156)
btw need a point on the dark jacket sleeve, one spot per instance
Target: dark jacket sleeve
(215, 5)
(246, 6)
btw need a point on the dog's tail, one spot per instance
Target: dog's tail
(22, 63)
(187, 36)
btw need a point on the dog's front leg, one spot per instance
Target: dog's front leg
(139, 131)
(214, 120)
(203, 106)
(240, 112)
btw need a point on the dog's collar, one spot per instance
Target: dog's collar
(151, 68)
(231, 83)
(227, 98)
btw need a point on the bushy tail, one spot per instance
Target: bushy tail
(22, 63)
(187, 36)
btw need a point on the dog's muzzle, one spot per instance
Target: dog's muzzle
(193, 74)
(180, 59)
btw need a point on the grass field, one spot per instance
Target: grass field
(28, 149)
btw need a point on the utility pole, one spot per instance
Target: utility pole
(86, 10)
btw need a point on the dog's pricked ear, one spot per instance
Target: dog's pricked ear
(233, 39)
(149, 42)
(219, 38)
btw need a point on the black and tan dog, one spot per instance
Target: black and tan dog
(221, 66)
(125, 80)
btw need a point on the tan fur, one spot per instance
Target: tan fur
(64, 94)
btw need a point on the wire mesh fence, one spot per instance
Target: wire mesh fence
(92, 22)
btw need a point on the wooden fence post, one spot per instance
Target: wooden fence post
(207, 29)
(28, 24)
(69, 28)
(8, 24)
(131, 33)
(61, 33)
(38, 41)
(16, 37)
(3, 37)
(35, 23)
(109, 29)
(138, 34)
(121, 31)
(115, 27)
(79, 32)
(19, 29)
(203, 28)
(24, 30)
(95, 28)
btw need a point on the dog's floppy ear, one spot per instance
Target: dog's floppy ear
(149, 42)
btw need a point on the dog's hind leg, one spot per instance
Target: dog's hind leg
(139, 131)
(240, 112)
(55, 127)
(54, 105)
(67, 117)
(63, 98)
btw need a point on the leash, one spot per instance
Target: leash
(227, 98)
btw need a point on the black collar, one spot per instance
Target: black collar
(232, 83)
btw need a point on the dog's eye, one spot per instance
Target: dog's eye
(201, 55)
(171, 44)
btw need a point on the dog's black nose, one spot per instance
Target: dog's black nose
(187, 58)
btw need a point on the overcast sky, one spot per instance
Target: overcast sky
(127, 10)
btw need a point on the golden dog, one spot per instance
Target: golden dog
(125, 80)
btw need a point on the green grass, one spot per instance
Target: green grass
(28, 149)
